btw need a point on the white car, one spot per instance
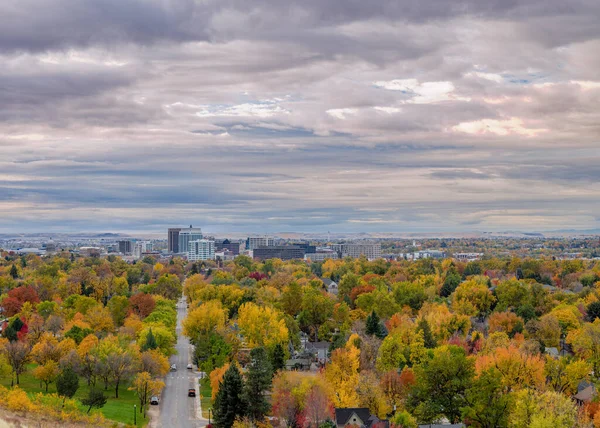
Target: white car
(190, 367)
(173, 368)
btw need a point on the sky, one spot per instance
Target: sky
(311, 116)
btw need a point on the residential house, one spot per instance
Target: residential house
(331, 285)
(320, 350)
(358, 417)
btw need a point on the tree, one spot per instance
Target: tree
(486, 403)
(67, 383)
(278, 358)
(538, 410)
(154, 362)
(317, 407)
(142, 304)
(118, 307)
(563, 374)
(593, 311)
(14, 272)
(442, 382)
(95, 398)
(145, 387)
(18, 356)
(374, 326)
(204, 319)
(262, 325)
(46, 373)
(428, 339)
(229, 403)
(342, 375)
(258, 382)
(150, 341)
(168, 286)
(317, 307)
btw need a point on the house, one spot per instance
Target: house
(331, 285)
(319, 349)
(442, 426)
(552, 352)
(586, 392)
(358, 417)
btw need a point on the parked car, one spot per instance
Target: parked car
(190, 367)
(192, 392)
(154, 400)
(173, 368)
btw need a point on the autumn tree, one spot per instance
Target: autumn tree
(142, 304)
(536, 409)
(317, 407)
(486, 403)
(564, 374)
(46, 373)
(262, 326)
(145, 387)
(342, 375)
(18, 355)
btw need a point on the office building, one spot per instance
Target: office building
(258, 241)
(173, 240)
(429, 254)
(226, 244)
(370, 251)
(125, 247)
(288, 252)
(305, 246)
(188, 235)
(320, 256)
(141, 247)
(201, 249)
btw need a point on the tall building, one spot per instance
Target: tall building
(125, 247)
(188, 235)
(201, 249)
(287, 252)
(258, 241)
(370, 251)
(141, 247)
(173, 239)
(226, 244)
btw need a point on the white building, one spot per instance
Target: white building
(258, 241)
(429, 254)
(321, 255)
(468, 257)
(141, 247)
(370, 250)
(201, 249)
(188, 235)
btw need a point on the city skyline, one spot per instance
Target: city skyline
(272, 116)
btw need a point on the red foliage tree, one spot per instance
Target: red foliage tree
(361, 289)
(257, 276)
(16, 297)
(142, 304)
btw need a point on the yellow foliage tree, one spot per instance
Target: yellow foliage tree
(342, 376)
(518, 370)
(46, 373)
(207, 317)
(262, 325)
(216, 377)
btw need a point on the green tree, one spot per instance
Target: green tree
(67, 383)
(278, 358)
(428, 338)
(150, 342)
(593, 311)
(374, 327)
(451, 282)
(486, 404)
(95, 398)
(229, 403)
(119, 307)
(14, 272)
(442, 382)
(258, 383)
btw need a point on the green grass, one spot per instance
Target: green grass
(116, 409)
(205, 396)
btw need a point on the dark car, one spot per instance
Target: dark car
(192, 392)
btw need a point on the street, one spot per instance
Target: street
(176, 408)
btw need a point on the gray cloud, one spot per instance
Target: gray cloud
(318, 115)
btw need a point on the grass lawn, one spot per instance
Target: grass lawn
(205, 396)
(116, 409)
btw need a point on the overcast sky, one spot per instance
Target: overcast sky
(312, 115)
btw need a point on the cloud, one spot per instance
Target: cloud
(317, 115)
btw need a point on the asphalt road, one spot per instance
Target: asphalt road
(176, 408)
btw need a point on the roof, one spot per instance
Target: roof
(442, 426)
(343, 415)
(317, 345)
(586, 394)
(552, 351)
(327, 281)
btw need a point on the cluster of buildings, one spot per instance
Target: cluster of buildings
(191, 243)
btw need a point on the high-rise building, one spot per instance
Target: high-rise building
(125, 247)
(201, 249)
(188, 235)
(173, 239)
(141, 247)
(258, 241)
